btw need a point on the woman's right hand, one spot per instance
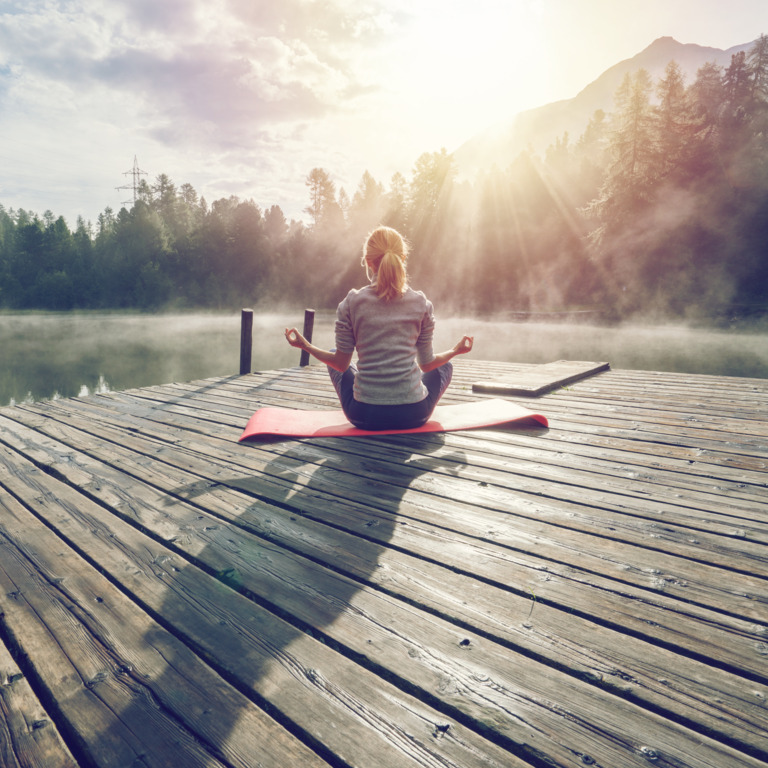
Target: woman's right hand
(465, 345)
(295, 339)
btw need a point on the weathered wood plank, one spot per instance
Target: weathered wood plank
(81, 673)
(28, 735)
(203, 493)
(439, 505)
(617, 557)
(124, 685)
(357, 716)
(663, 437)
(688, 465)
(631, 425)
(735, 526)
(710, 498)
(648, 567)
(482, 670)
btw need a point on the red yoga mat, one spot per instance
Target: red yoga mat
(289, 422)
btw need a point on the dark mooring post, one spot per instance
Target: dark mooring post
(246, 340)
(309, 326)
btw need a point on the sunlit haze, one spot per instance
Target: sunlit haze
(245, 97)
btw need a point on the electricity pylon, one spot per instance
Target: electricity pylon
(136, 172)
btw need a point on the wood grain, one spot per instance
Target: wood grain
(591, 593)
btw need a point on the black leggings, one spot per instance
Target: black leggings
(404, 416)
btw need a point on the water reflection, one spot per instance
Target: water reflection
(48, 355)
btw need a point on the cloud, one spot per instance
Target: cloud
(168, 17)
(214, 72)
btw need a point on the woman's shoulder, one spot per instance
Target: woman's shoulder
(357, 296)
(366, 292)
(417, 297)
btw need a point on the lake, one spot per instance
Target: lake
(49, 355)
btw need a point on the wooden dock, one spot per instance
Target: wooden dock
(595, 593)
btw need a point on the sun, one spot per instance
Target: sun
(473, 63)
(433, 75)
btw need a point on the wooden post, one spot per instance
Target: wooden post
(309, 325)
(246, 340)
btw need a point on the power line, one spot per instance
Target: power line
(136, 173)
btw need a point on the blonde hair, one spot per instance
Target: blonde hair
(386, 253)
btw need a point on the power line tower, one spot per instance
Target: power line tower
(136, 173)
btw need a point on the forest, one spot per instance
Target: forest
(659, 209)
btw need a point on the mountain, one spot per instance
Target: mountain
(540, 127)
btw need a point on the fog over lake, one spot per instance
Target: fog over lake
(48, 355)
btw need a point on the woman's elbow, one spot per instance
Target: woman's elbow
(341, 361)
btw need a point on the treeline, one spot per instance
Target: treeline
(660, 207)
(170, 249)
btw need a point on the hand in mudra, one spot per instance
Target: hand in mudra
(465, 345)
(295, 339)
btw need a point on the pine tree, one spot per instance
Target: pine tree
(632, 157)
(368, 205)
(757, 61)
(674, 123)
(737, 85)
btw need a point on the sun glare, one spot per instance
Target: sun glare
(473, 64)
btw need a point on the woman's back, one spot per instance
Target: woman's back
(392, 338)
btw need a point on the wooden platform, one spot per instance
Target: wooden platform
(591, 594)
(540, 379)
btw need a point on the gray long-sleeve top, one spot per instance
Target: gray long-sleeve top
(392, 338)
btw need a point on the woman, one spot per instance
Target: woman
(398, 379)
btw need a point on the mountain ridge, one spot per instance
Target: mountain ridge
(541, 126)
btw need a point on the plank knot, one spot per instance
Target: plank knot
(649, 754)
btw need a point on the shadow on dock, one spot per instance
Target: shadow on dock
(296, 563)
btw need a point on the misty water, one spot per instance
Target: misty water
(49, 355)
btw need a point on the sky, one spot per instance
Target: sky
(246, 97)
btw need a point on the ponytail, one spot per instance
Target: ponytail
(386, 253)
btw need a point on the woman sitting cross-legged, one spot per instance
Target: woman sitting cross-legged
(398, 378)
